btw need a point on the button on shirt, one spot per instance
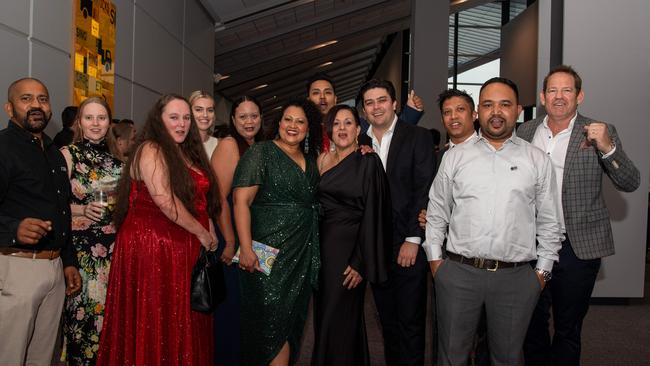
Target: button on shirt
(494, 204)
(382, 148)
(34, 183)
(555, 147)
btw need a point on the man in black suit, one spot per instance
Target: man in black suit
(406, 153)
(322, 91)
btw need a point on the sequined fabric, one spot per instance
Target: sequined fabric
(284, 215)
(148, 318)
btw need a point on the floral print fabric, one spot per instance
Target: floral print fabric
(92, 165)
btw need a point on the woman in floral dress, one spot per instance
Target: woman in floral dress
(92, 165)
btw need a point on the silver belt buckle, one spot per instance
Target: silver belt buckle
(496, 266)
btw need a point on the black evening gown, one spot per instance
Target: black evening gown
(355, 231)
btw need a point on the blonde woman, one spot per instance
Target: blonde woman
(90, 164)
(202, 104)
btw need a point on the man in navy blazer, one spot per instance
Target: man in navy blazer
(406, 153)
(582, 150)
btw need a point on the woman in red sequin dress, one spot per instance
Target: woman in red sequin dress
(164, 210)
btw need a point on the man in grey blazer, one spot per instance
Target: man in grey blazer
(582, 151)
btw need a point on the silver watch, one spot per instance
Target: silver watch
(546, 275)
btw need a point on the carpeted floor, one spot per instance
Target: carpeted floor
(614, 333)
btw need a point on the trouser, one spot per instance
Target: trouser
(508, 296)
(31, 301)
(402, 302)
(568, 294)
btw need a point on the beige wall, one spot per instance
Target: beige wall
(607, 44)
(36, 41)
(163, 46)
(390, 67)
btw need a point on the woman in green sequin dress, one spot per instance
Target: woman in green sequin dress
(275, 203)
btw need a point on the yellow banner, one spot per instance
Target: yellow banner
(94, 50)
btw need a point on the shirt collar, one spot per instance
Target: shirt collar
(513, 139)
(451, 144)
(27, 136)
(571, 123)
(390, 130)
(101, 146)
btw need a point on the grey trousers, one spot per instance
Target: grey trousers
(508, 295)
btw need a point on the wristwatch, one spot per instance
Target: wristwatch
(546, 275)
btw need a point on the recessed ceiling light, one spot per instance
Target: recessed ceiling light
(260, 87)
(324, 44)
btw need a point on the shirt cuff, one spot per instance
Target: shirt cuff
(544, 264)
(414, 239)
(433, 252)
(610, 153)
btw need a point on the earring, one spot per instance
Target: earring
(307, 143)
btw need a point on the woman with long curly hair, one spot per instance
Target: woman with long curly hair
(166, 199)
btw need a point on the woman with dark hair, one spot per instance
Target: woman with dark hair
(244, 130)
(275, 204)
(166, 199)
(355, 241)
(91, 165)
(121, 138)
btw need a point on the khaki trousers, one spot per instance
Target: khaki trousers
(32, 292)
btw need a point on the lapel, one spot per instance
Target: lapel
(395, 145)
(527, 130)
(577, 138)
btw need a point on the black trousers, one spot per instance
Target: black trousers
(402, 302)
(568, 295)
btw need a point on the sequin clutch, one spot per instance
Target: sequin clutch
(265, 254)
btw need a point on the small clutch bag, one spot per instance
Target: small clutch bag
(208, 288)
(265, 254)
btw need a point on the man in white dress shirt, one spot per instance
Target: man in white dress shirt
(493, 198)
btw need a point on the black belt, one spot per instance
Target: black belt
(487, 264)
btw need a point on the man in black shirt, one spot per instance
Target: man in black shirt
(36, 253)
(65, 136)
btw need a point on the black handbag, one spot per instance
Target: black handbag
(208, 288)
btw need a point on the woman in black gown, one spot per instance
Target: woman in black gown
(355, 241)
